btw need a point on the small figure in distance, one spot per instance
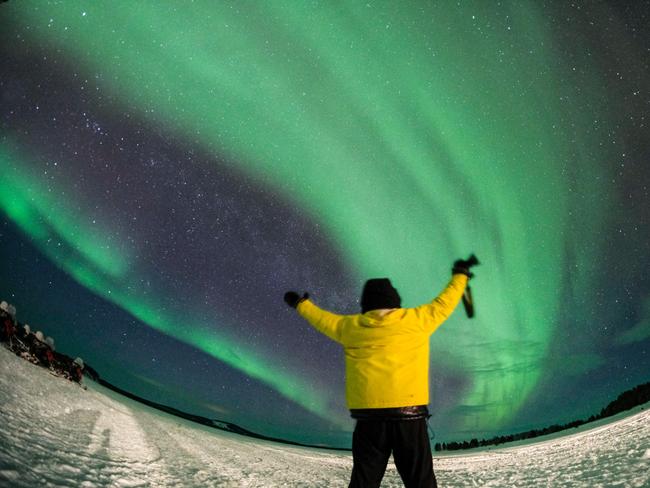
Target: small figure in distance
(8, 326)
(28, 343)
(40, 350)
(76, 370)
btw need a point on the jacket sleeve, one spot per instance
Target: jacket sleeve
(435, 313)
(323, 321)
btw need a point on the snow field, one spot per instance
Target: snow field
(53, 433)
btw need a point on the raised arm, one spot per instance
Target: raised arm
(436, 312)
(323, 321)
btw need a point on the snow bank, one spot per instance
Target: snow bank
(53, 433)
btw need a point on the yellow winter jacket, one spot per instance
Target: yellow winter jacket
(387, 351)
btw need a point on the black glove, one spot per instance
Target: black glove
(293, 299)
(463, 266)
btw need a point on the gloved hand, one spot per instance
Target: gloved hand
(293, 299)
(463, 266)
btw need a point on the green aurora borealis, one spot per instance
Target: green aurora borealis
(408, 133)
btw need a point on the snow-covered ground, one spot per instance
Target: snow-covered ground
(53, 433)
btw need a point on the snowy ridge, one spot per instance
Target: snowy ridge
(53, 433)
(217, 424)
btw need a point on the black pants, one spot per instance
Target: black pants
(408, 440)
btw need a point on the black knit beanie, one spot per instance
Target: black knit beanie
(379, 293)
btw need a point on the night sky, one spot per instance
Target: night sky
(168, 171)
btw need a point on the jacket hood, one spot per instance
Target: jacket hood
(381, 317)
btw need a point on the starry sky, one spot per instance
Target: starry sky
(168, 171)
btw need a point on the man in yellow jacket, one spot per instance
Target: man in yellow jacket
(387, 375)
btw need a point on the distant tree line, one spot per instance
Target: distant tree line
(625, 401)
